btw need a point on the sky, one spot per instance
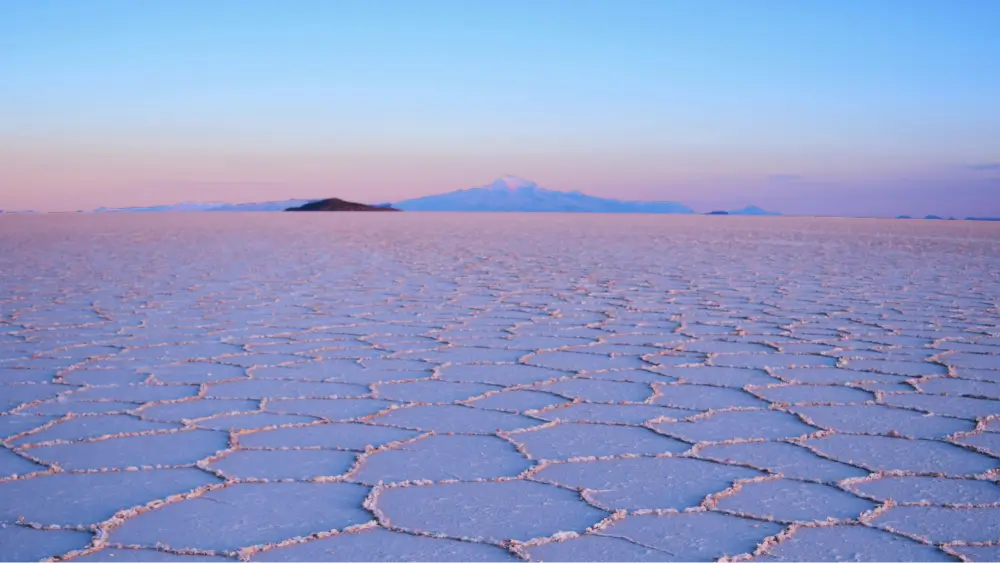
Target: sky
(850, 107)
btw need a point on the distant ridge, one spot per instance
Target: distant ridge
(505, 194)
(336, 204)
(513, 194)
(754, 210)
(210, 206)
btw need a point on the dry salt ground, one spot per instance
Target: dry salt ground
(273, 387)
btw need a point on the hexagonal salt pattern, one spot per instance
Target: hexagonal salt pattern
(498, 388)
(377, 544)
(693, 536)
(251, 513)
(849, 543)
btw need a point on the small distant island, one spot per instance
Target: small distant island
(336, 204)
(749, 210)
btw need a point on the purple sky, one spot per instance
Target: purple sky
(828, 107)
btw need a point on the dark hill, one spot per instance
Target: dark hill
(335, 204)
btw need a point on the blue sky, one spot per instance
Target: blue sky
(821, 106)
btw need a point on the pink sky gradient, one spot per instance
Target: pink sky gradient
(824, 107)
(73, 176)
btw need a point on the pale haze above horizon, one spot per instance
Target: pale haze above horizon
(832, 107)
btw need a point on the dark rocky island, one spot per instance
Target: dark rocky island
(335, 204)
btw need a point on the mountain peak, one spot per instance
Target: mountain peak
(510, 182)
(511, 193)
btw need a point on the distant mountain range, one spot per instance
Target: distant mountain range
(750, 210)
(510, 193)
(211, 206)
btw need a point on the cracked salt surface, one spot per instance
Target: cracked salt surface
(121, 452)
(440, 458)
(433, 388)
(850, 543)
(573, 440)
(350, 436)
(491, 511)
(88, 427)
(738, 425)
(783, 458)
(696, 536)
(878, 419)
(146, 555)
(793, 501)
(382, 545)
(933, 490)
(82, 499)
(646, 483)
(250, 513)
(283, 464)
(18, 543)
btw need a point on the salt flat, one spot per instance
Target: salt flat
(280, 387)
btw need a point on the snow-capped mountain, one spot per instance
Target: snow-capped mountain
(754, 210)
(510, 193)
(211, 206)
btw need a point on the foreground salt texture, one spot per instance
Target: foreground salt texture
(495, 388)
